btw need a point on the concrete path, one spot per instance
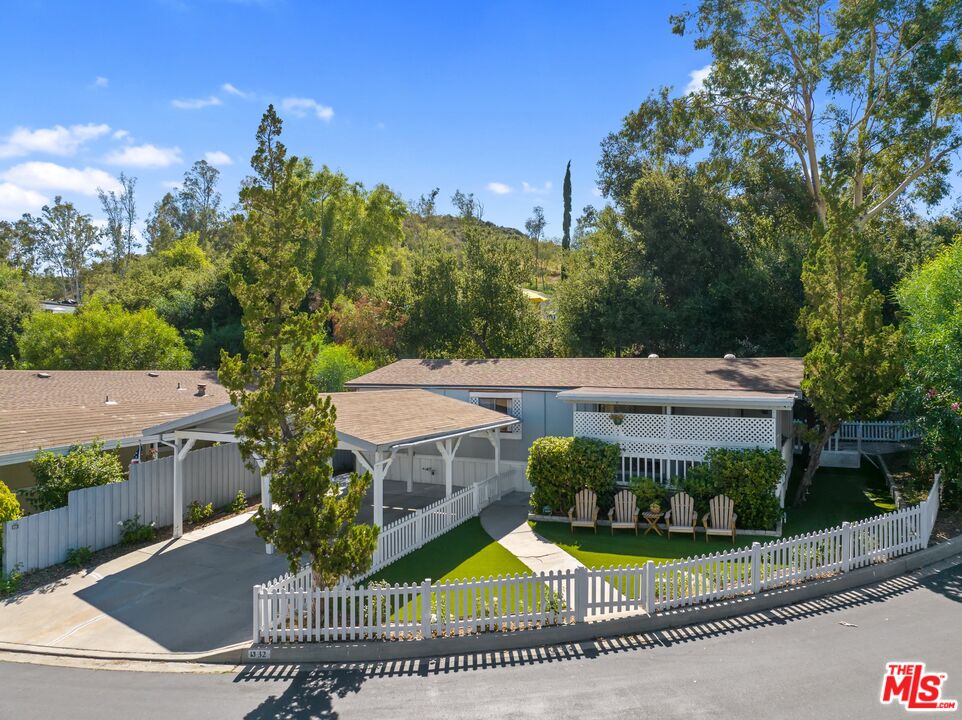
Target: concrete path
(507, 522)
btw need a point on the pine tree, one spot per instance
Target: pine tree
(566, 222)
(282, 422)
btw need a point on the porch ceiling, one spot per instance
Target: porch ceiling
(371, 420)
(682, 397)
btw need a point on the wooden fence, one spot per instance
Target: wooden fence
(291, 609)
(92, 516)
(878, 431)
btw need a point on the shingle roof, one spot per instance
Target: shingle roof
(752, 374)
(70, 407)
(382, 418)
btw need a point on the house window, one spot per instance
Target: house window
(507, 403)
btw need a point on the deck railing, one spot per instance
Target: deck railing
(298, 612)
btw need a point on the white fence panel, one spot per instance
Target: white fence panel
(92, 516)
(290, 609)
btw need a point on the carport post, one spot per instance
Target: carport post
(379, 472)
(494, 437)
(411, 468)
(448, 448)
(266, 500)
(180, 452)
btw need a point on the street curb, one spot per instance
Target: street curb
(108, 655)
(379, 651)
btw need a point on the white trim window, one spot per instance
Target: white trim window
(502, 402)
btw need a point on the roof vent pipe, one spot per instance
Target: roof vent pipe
(729, 356)
(653, 356)
(201, 389)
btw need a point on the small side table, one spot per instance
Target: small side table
(652, 519)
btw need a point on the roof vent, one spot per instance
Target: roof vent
(179, 387)
(729, 356)
(108, 401)
(43, 375)
(153, 374)
(653, 356)
(201, 389)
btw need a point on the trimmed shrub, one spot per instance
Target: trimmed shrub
(648, 491)
(82, 467)
(78, 557)
(748, 477)
(9, 510)
(133, 531)
(558, 467)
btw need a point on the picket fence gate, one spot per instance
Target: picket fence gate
(92, 516)
(291, 609)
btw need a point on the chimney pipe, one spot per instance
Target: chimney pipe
(201, 389)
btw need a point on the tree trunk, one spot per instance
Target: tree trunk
(814, 458)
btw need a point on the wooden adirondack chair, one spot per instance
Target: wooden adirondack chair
(721, 512)
(585, 511)
(682, 517)
(624, 514)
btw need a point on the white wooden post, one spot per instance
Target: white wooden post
(379, 472)
(267, 501)
(256, 633)
(410, 487)
(178, 501)
(650, 587)
(846, 546)
(859, 437)
(181, 449)
(581, 594)
(756, 568)
(426, 609)
(448, 448)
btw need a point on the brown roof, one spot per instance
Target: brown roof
(381, 418)
(70, 407)
(751, 374)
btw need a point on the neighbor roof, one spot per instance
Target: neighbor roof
(778, 375)
(377, 419)
(71, 406)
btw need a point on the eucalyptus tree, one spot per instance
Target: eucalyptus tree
(120, 210)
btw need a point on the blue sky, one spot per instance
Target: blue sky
(492, 98)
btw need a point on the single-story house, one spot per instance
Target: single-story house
(664, 412)
(58, 409)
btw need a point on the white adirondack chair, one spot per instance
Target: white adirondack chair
(624, 514)
(721, 513)
(585, 511)
(682, 517)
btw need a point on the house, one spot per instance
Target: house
(58, 409)
(664, 412)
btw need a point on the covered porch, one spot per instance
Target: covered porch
(377, 427)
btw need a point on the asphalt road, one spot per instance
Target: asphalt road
(797, 662)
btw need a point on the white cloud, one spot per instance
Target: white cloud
(15, 200)
(535, 190)
(235, 91)
(300, 107)
(596, 192)
(499, 188)
(196, 103)
(101, 82)
(58, 140)
(218, 157)
(51, 176)
(696, 83)
(145, 156)
(120, 135)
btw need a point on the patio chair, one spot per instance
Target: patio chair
(585, 511)
(624, 514)
(682, 517)
(721, 512)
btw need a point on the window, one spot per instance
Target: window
(507, 403)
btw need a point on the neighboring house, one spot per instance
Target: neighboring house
(59, 307)
(664, 412)
(57, 409)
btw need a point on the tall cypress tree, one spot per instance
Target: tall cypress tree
(566, 222)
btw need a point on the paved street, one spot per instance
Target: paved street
(798, 662)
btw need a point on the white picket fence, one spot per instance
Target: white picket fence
(292, 610)
(409, 533)
(91, 517)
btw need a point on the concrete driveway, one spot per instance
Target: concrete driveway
(187, 595)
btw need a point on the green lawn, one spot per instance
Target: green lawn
(465, 552)
(837, 495)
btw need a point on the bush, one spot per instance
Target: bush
(648, 491)
(78, 557)
(239, 503)
(9, 584)
(197, 513)
(82, 467)
(133, 532)
(748, 477)
(559, 467)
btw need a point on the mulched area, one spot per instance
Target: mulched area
(52, 577)
(914, 487)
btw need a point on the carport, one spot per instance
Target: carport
(374, 425)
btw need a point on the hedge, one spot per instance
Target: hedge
(748, 477)
(559, 467)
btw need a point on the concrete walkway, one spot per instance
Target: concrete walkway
(507, 522)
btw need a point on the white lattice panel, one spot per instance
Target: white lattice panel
(640, 449)
(723, 430)
(514, 411)
(594, 424)
(645, 426)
